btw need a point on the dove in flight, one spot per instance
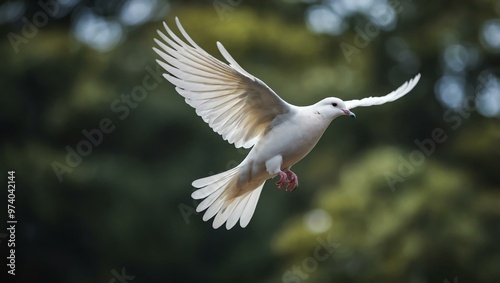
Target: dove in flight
(249, 114)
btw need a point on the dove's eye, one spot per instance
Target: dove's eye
(334, 104)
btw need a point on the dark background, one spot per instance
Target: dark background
(391, 210)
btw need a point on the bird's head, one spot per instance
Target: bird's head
(333, 107)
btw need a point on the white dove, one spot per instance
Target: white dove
(248, 114)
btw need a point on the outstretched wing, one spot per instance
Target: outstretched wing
(398, 93)
(234, 103)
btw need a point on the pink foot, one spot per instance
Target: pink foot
(293, 182)
(289, 178)
(283, 180)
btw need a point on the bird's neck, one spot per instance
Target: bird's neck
(316, 121)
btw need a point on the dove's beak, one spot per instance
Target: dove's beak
(349, 113)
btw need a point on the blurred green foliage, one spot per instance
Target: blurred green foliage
(127, 204)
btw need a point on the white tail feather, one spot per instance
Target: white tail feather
(214, 178)
(209, 200)
(247, 213)
(224, 214)
(214, 190)
(235, 216)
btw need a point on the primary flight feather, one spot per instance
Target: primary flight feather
(249, 114)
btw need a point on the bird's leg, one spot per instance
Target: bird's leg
(293, 181)
(283, 179)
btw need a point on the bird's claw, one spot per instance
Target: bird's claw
(283, 180)
(293, 182)
(290, 179)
